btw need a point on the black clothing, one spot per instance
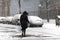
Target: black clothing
(24, 22)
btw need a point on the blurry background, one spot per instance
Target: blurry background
(42, 8)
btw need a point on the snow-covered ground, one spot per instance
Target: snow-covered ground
(49, 31)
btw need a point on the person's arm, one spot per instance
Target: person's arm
(27, 19)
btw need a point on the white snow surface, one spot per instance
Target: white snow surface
(49, 31)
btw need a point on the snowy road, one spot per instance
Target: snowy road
(10, 32)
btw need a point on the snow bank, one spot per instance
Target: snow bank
(49, 25)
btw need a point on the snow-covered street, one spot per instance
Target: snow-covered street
(49, 31)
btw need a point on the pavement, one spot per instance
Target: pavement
(47, 32)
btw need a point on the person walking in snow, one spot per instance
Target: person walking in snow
(24, 22)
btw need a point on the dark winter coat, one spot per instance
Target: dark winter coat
(24, 21)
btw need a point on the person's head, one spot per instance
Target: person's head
(25, 13)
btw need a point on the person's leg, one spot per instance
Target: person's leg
(24, 32)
